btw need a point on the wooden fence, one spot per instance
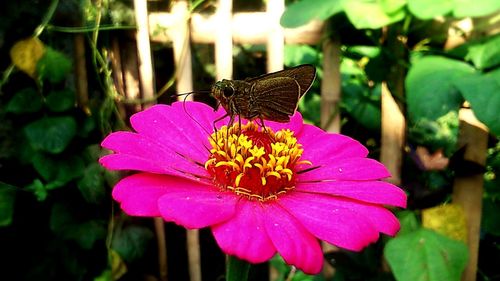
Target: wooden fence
(135, 79)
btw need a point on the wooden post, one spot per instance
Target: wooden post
(144, 50)
(393, 135)
(331, 87)
(147, 93)
(82, 93)
(468, 191)
(330, 113)
(275, 36)
(184, 79)
(224, 41)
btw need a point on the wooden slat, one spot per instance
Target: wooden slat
(330, 87)
(275, 36)
(468, 191)
(144, 50)
(330, 114)
(393, 135)
(184, 84)
(251, 28)
(223, 40)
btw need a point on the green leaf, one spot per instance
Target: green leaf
(57, 171)
(51, 134)
(357, 11)
(409, 222)
(53, 66)
(429, 9)
(25, 101)
(59, 101)
(426, 255)
(38, 190)
(301, 54)
(436, 134)
(7, 199)
(301, 12)
(362, 104)
(64, 223)
(474, 8)
(237, 269)
(490, 222)
(91, 185)
(131, 242)
(483, 93)
(485, 55)
(430, 89)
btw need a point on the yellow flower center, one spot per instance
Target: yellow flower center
(255, 163)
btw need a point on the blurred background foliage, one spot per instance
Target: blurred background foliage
(58, 222)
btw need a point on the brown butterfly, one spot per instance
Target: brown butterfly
(273, 96)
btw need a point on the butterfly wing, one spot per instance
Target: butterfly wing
(303, 74)
(275, 98)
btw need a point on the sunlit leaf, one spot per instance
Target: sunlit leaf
(430, 86)
(358, 10)
(482, 91)
(474, 8)
(301, 12)
(429, 9)
(485, 55)
(426, 255)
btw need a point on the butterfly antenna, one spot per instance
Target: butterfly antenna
(194, 119)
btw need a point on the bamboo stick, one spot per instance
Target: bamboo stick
(249, 28)
(393, 135)
(275, 46)
(184, 79)
(468, 191)
(82, 93)
(147, 92)
(144, 49)
(131, 75)
(275, 36)
(223, 40)
(330, 87)
(330, 114)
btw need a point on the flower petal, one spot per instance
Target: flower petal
(244, 235)
(172, 127)
(197, 209)
(294, 243)
(321, 147)
(356, 168)
(377, 192)
(137, 152)
(138, 194)
(333, 220)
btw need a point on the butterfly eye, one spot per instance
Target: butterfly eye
(228, 92)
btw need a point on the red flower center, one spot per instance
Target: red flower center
(258, 164)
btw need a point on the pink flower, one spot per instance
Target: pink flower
(260, 191)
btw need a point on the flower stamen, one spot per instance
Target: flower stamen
(255, 163)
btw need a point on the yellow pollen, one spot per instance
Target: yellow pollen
(254, 163)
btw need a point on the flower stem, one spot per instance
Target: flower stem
(236, 269)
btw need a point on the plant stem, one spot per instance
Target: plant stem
(236, 269)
